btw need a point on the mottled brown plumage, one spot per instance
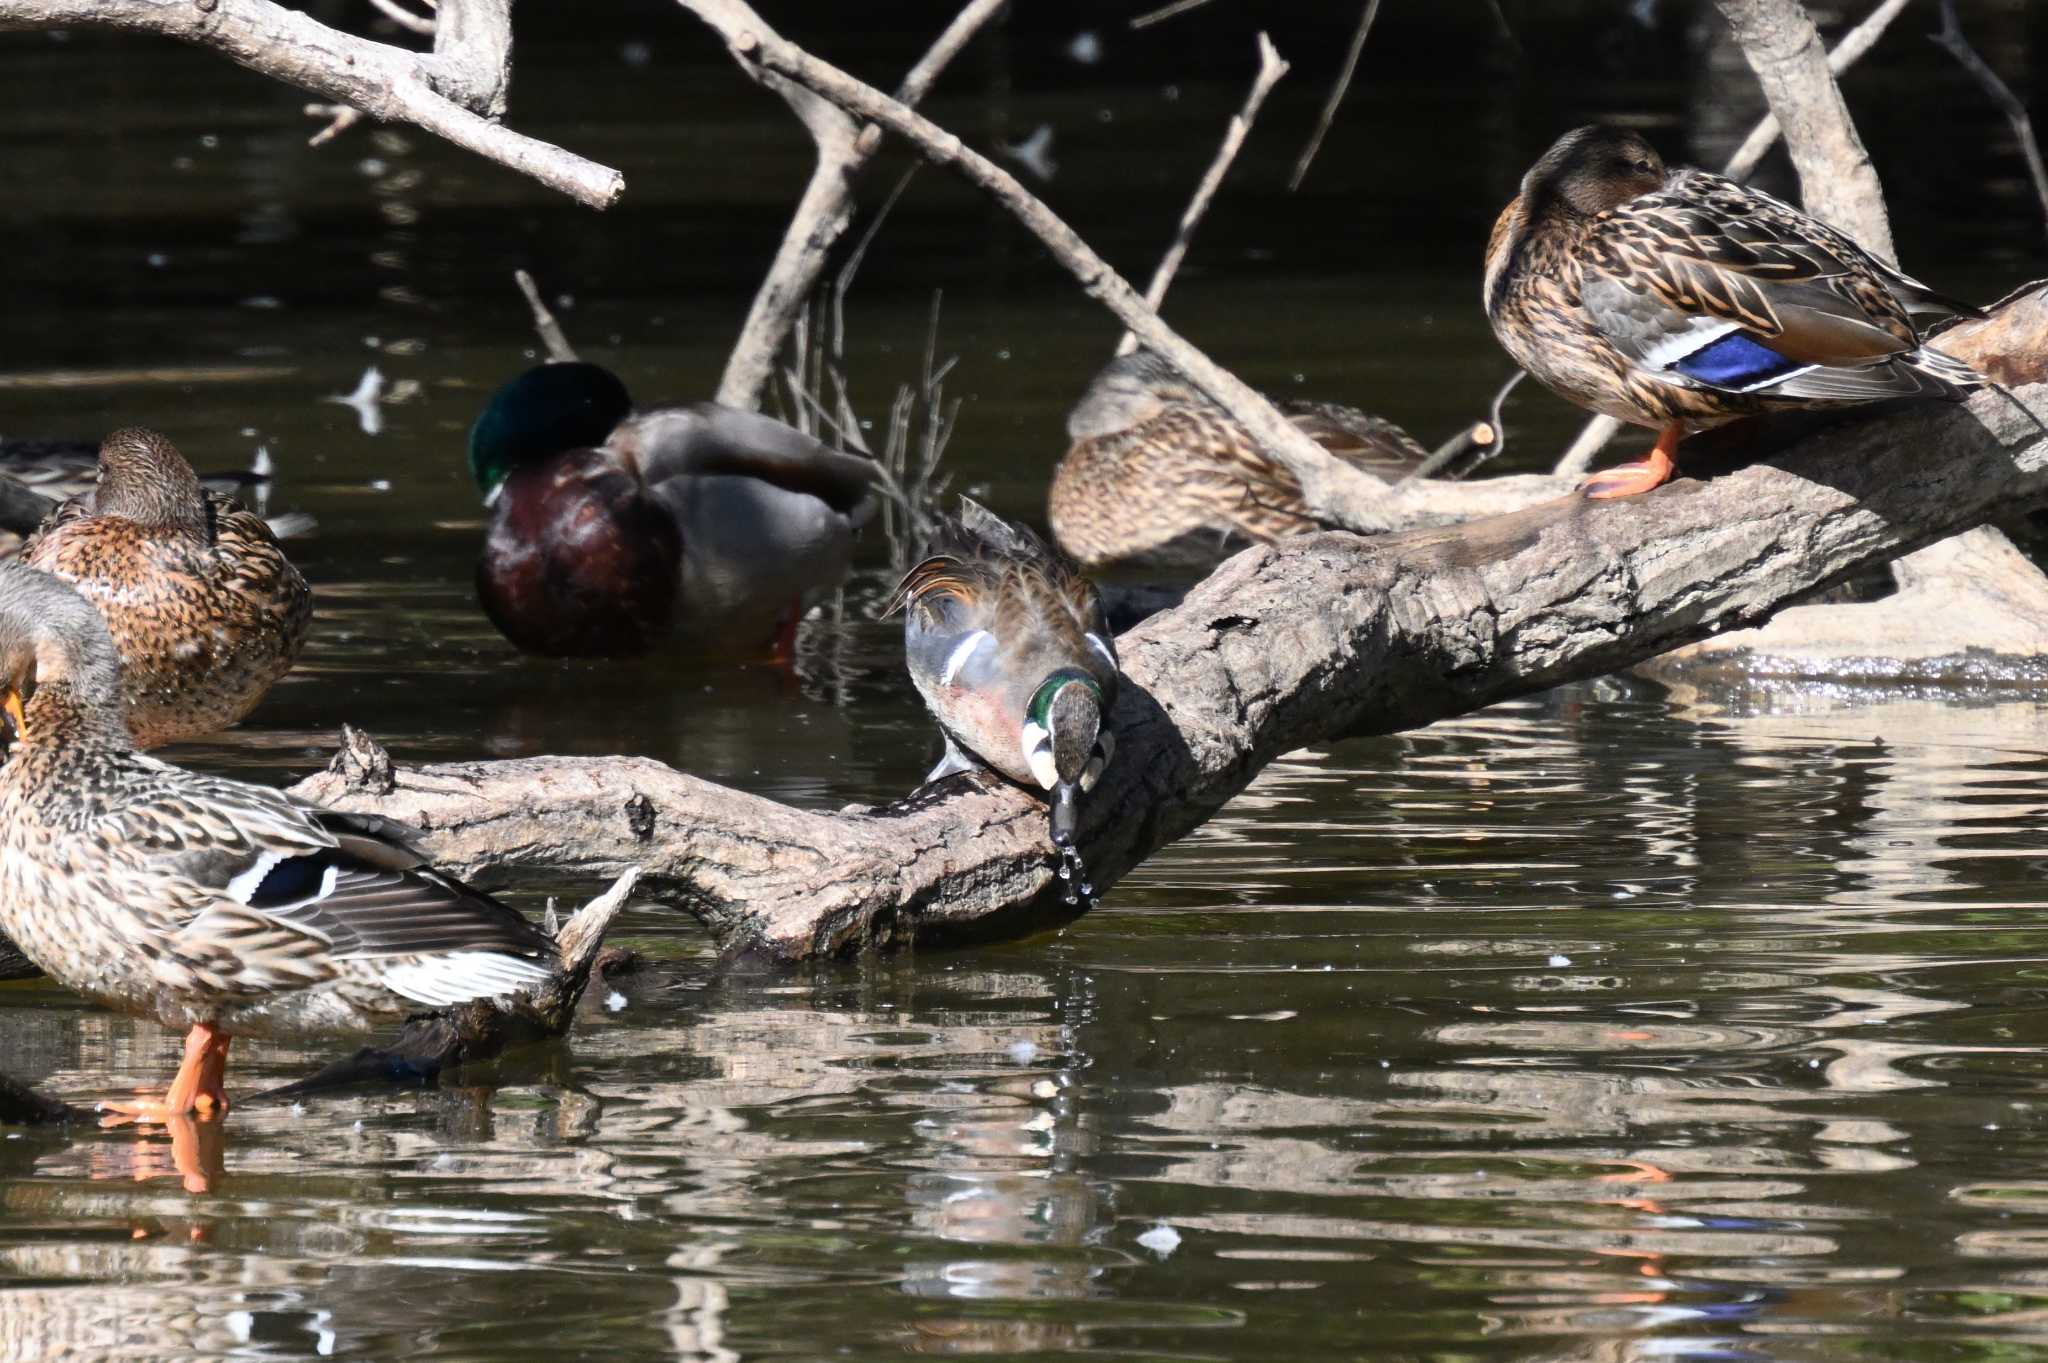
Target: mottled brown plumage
(1160, 475)
(1682, 300)
(204, 608)
(205, 902)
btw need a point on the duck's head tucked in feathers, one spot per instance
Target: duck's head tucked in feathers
(58, 667)
(546, 410)
(144, 479)
(1590, 170)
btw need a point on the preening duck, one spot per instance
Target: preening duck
(1680, 300)
(210, 904)
(1008, 647)
(613, 531)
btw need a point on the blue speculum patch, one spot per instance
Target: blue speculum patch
(1735, 361)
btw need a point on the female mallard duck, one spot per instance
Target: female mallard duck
(612, 530)
(209, 904)
(37, 475)
(1682, 300)
(1007, 645)
(1159, 474)
(205, 609)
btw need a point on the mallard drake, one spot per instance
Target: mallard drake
(613, 530)
(205, 609)
(1158, 474)
(1680, 300)
(1007, 645)
(210, 904)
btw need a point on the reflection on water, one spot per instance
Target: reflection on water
(1608, 1025)
(1586, 1027)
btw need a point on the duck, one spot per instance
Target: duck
(205, 609)
(217, 907)
(1157, 474)
(1680, 300)
(1006, 643)
(37, 475)
(615, 530)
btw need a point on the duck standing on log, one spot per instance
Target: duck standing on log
(210, 904)
(206, 611)
(613, 530)
(1007, 645)
(1681, 300)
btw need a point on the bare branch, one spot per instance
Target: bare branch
(1332, 489)
(404, 18)
(1597, 431)
(472, 62)
(1165, 12)
(1271, 68)
(340, 118)
(1329, 113)
(1952, 41)
(825, 210)
(544, 323)
(384, 82)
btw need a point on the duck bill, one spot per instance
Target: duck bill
(12, 704)
(1066, 813)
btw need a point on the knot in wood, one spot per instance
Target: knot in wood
(640, 817)
(362, 764)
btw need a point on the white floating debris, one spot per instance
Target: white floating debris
(636, 54)
(1277, 1015)
(1023, 1052)
(380, 484)
(363, 400)
(1559, 961)
(1086, 47)
(615, 1002)
(1162, 1240)
(1034, 153)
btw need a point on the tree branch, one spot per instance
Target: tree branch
(826, 207)
(1333, 490)
(1336, 97)
(1952, 41)
(1403, 630)
(384, 82)
(1271, 68)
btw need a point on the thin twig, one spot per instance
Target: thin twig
(1594, 435)
(340, 118)
(1271, 68)
(1315, 141)
(1165, 12)
(558, 347)
(1952, 41)
(404, 17)
(1487, 439)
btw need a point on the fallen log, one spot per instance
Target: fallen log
(1304, 641)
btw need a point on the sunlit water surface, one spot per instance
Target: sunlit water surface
(1604, 1025)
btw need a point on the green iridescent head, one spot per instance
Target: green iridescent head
(1064, 742)
(546, 410)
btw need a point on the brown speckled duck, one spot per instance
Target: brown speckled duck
(204, 607)
(1680, 300)
(209, 904)
(1158, 474)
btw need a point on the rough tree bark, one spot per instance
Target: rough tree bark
(453, 92)
(1299, 642)
(826, 208)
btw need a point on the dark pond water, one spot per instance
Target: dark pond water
(1610, 1024)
